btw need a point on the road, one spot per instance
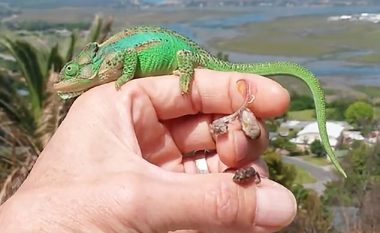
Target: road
(322, 174)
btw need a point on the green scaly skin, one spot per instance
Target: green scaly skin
(148, 51)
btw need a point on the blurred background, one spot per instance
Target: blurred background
(338, 40)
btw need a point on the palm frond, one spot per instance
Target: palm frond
(95, 29)
(105, 30)
(70, 50)
(30, 110)
(55, 61)
(27, 60)
(13, 103)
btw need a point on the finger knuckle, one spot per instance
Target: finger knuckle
(225, 203)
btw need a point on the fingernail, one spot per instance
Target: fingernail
(276, 206)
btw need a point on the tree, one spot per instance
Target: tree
(361, 189)
(284, 143)
(336, 109)
(312, 213)
(313, 216)
(301, 102)
(279, 171)
(317, 148)
(359, 113)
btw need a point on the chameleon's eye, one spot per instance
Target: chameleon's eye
(71, 69)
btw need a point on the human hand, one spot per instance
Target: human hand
(115, 164)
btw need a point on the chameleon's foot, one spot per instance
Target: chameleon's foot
(118, 85)
(185, 87)
(184, 80)
(185, 59)
(245, 175)
(121, 81)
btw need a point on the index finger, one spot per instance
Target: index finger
(213, 92)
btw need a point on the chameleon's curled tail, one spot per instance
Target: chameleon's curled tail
(289, 69)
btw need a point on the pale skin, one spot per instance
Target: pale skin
(115, 163)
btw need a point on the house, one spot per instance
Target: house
(310, 133)
(351, 136)
(292, 125)
(374, 137)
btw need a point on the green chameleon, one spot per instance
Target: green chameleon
(147, 51)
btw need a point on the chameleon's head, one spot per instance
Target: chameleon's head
(78, 75)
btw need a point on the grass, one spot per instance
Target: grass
(303, 115)
(312, 36)
(370, 91)
(307, 115)
(341, 153)
(303, 176)
(370, 58)
(319, 161)
(377, 113)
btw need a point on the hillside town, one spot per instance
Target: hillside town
(340, 133)
(364, 17)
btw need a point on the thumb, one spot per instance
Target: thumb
(214, 203)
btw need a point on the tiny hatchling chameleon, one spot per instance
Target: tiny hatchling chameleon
(143, 51)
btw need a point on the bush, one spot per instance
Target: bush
(301, 102)
(279, 171)
(359, 113)
(317, 148)
(285, 144)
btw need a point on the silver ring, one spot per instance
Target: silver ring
(201, 165)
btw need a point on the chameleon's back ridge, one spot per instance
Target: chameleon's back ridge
(143, 51)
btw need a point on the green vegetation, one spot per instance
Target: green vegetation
(306, 36)
(317, 148)
(376, 114)
(28, 120)
(303, 115)
(40, 25)
(303, 176)
(362, 187)
(279, 171)
(56, 3)
(301, 102)
(337, 108)
(312, 213)
(359, 114)
(370, 91)
(370, 58)
(317, 160)
(285, 144)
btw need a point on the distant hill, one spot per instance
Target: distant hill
(60, 3)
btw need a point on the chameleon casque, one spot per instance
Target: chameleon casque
(143, 51)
